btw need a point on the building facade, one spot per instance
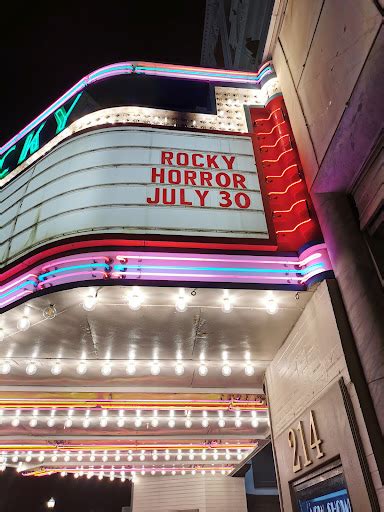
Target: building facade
(169, 302)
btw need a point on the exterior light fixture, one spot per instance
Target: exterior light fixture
(203, 370)
(56, 368)
(181, 302)
(106, 369)
(226, 370)
(31, 368)
(5, 367)
(135, 300)
(51, 503)
(155, 368)
(179, 368)
(130, 368)
(226, 304)
(271, 306)
(81, 368)
(249, 370)
(90, 301)
(23, 323)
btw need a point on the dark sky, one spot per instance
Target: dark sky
(44, 52)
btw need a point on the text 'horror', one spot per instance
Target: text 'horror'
(182, 182)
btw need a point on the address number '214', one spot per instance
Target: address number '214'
(314, 443)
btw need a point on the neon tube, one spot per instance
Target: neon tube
(282, 174)
(270, 132)
(294, 229)
(286, 190)
(275, 144)
(278, 158)
(291, 208)
(74, 267)
(269, 117)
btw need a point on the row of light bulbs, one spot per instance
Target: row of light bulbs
(106, 368)
(107, 456)
(138, 421)
(135, 300)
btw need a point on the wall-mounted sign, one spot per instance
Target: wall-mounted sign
(140, 181)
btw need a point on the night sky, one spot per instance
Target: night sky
(43, 54)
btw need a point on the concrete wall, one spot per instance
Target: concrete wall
(306, 369)
(179, 493)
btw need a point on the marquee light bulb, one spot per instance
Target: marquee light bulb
(271, 306)
(227, 456)
(226, 305)
(23, 323)
(204, 422)
(81, 368)
(255, 422)
(249, 370)
(56, 368)
(5, 367)
(155, 368)
(89, 302)
(120, 422)
(103, 422)
(106, 369)
(33, 422)
(188, 423)
(237, 422)
(221, 422)
(130, 368)
(203, 370)
(135, 300)
(171, 423)
(138, 422)
(15, 422)
(239, 456)
(68, 423)
(31, 368)
(51, 422)
(86, 422)
(226, 370)
(181, 302)
(179, 369)
(154, 422)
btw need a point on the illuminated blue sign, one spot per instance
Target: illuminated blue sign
(333, 502)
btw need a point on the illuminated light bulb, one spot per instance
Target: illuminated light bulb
(100, 476)
(255, 422)
(104, 458)
(203, 370)
(31, 368)
(213, 471)
(221, 422)
(103, 422)
(89, 302)
(223, 471)
(179, 456)
(54, 458)
(203, 471)
(89, 475)
(15, 458)
(63, 473)
(271, 306)
(163, 471)
(171, 423)
(67, 458)
(76, 475)
(155, 368)
(2, 334)
(226, 306)
(120, 422)
(33, 422)
(167, 456)
(138, 422)
(226, 370)
(204, 422)
(179, 369)
(142, 457)
(203, 456)
(183, 471)
(68, 423)
(130, 368)
(41, 457)
(237, 422)
(154, 422)
(173, 472)
(191, 456)
(15, 422)
(227, 456)
(188, 423)
(129, 458)
(153, 472)
(86, 422)
(142, 472)
(181, 302)
(135, 300)
(56, 368)
(249, 370)
(117, 458)
(106, 369)
(81, 368)
(5, 367)
(51, 422)
(193, 472)
(23, 323)
(215, 456)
